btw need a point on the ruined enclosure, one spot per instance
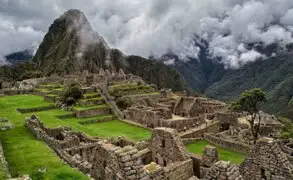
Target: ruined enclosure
(119, 159)
(171, 117)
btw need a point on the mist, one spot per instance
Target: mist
(153, 28)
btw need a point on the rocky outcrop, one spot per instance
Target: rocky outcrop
(71, 45)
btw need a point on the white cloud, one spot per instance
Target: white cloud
(154, 27)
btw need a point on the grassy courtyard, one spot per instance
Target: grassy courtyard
(25, 154)
(224, 154)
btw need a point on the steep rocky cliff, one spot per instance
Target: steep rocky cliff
(71, 45)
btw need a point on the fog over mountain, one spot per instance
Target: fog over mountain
(152, 27)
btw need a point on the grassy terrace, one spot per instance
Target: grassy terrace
(24, 153)
(51, 86)
(105, 129)
(224, 154)
(91, 95)
(144, 94)
(81, 108)
(88, 118)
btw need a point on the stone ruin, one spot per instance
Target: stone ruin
(158, 114)
(106, 77)
(266, 161)
(5, 124)
(210, 156)
(164, 158)
(222, 170)
(195, 106)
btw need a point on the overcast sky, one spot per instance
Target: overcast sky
(153, 27)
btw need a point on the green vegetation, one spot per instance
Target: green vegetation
(224, 154)
(88, 118)
(91, 95)
(287, 131)
(146, 94)
(43, 90)
(51, 86)
(24, 153)
(274, 75)
(130, 89)
(104, 130)
(82, 108)
(250, 101)
(71, 94)
(94, 99)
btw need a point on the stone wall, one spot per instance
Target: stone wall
(223, 171)
(227, 144)
(199, 132)
(3, 162)
(147, 116)
(180, 170)
(36, 109)
(266, 161)
(167, 147)
(13, 92)
(92, 112)
(183, 124)
(103, 160)
(194, 106)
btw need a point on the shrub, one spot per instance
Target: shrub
(70, 101)
(123, 103)
(72, 94)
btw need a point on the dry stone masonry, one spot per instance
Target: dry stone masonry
(172, 117)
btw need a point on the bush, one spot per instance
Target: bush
(123, 103)
(70, 101)
(72, 94)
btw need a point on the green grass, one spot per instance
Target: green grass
(51, 86)
(144, 94)
(94, 99)
(124, 85)
(224, 154)
(52, 95)
(116, 128)
(89, 95)
(43, 90)
(103, 130)
(82, 108)
(24, 153)
(87, 118)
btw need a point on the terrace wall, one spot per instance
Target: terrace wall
(227, 144)
(183, 124)
(199, 132)
(181, 170)
(36, 109)
(4, 162)
(92, 112)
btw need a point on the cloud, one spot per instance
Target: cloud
(152, 27)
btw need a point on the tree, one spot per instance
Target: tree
(250, 101)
